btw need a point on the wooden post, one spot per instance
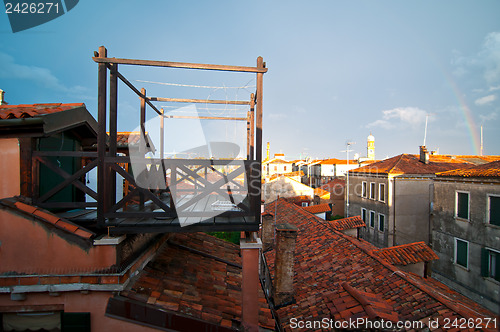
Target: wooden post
(142, 145)
(248, 134)
(252, 126)
(258, 136)
(101, 139)
(113, 128)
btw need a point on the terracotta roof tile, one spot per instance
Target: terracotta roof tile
(318, 208)
(49, 217)
(29, 111)
(199, 276)
(407, 254)
(491, 169)
(347, 223)
(290, 174)
(328, 258)
(410, 164)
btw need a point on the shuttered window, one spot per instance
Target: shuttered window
(494, 210)
(462, 252)
(462, 205)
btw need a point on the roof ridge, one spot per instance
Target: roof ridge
(397, 163)
(435, 295)
(400, 246)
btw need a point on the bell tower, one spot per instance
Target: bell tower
(370, 147)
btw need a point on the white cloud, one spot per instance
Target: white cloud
(485, 100)
(488, 117)
(277, 116)
(9, 69)
(396, 117)
(487, 60)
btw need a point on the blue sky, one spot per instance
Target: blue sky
(338, 70)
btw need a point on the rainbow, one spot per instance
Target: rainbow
(467, 114)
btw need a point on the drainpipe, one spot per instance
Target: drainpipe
(394, 212)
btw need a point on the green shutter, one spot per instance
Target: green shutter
(463, 206)
(485, 262)
(75, 322)
(497, 265)
(462, 253)
(494, 210)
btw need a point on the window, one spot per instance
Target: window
(305, 204)
(381, 192)
(462, 252)
(372, 219)
(493, 214)
(372, 190)
(275, 168)
(490, 264)
(363, 215)
(364, 189)
(381, 222)
(462, 205)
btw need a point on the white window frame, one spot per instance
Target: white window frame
(366, 214)
(381, 198)
(468, 252)
(457, 192)
(371, 213)
(374, 186)
(381, 215)
(364, 189)
(488, 208)
(305, 204)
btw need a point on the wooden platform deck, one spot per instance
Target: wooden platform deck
(209, 214)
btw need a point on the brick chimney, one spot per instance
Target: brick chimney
(424, 154)
(267, 234)
(286, 236)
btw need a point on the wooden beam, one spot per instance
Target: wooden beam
(133, 88)
(186, 65)
(204, 117)
(201, 101)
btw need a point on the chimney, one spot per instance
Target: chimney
(286, 236)
(267, 234)
(424, 154)
(250, 247)
(2, 101)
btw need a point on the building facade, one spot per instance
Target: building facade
(466, 232)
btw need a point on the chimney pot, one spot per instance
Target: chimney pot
(424, 154)
(286, 235)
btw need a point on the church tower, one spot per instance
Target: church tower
(370, 147)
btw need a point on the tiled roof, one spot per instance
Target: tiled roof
(30, 111)
(291, 174)
(410, 164)
(347, 223)
(127, 137)
(318, 208)
(321, 193)
(198, 276)
(325, 259)
(333, 185)
(334, 161)
(491, 169)
(298, 199)
(407, 254)
(47, 217)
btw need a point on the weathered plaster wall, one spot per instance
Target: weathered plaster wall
(93, 302)
(476, 231)
(10, 177)
(27, 246)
